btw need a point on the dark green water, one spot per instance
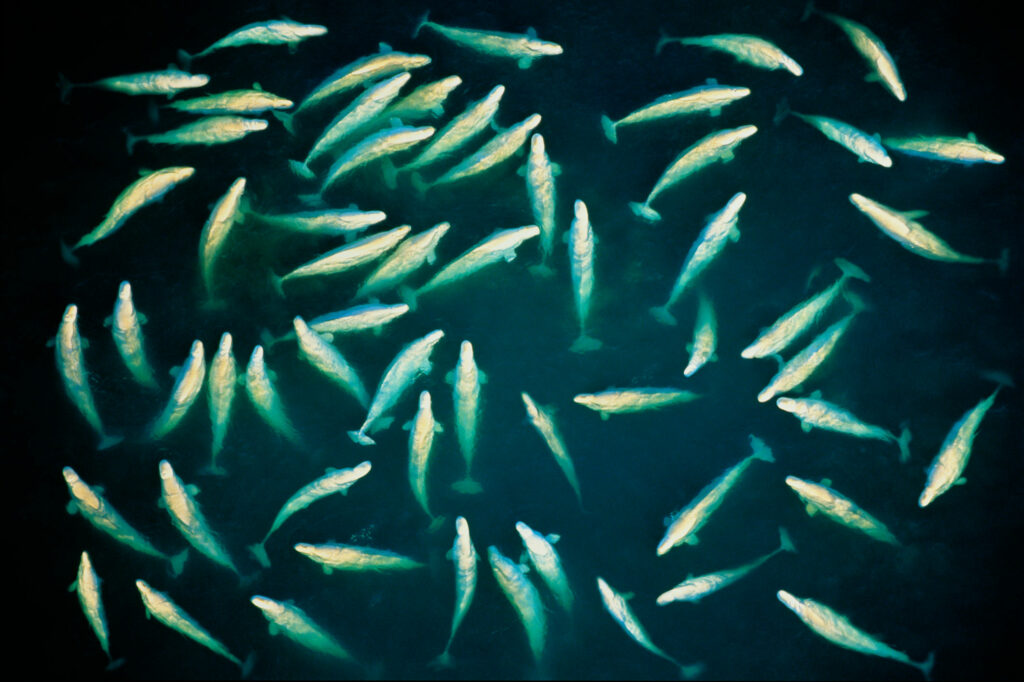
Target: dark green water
(918, 355)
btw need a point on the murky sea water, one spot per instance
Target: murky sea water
(918, 355)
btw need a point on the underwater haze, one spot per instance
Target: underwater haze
(922, 353)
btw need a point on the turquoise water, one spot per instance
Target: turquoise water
(917, 356)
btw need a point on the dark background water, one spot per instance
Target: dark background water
(918, 355)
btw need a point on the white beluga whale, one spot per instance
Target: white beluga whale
(411, 361)
(500, 245)
(543, 421)
(716, 146)
(623, 400)
(819, 497)
(948, 466)
(777, 336)
(695, 588)
(274, 32)
(464, 556)
(524, 598)
(288, 619)
(581, 261)
(903, 227)
(333, 481)
(221, 386)
(160, 606)
(89, 502)
(710, 97)
(71, 365)
(523, 48)
(720, 229)
(837, 629)
(617, 605)
(187, 386)
(813, 412)
(466, 381)
(745, 48)
(682, 526)
(188, 518)
(126, 325)
(878, 59)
